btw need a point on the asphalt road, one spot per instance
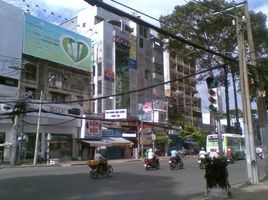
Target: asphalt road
(130, 181)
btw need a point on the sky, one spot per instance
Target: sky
(56, 11)
(154, 8)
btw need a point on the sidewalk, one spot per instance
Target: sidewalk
(243, 191)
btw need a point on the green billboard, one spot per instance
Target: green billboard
(50, 42)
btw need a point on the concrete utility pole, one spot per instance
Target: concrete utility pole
(262, 113)
(249, 138)
(37, 131)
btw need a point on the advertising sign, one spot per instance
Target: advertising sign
(91, 128)
(48, 41)
(116, 114)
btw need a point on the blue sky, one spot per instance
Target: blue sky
(154, 8)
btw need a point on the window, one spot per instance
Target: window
(31, 92)
(8, 81)
(99, 87)
(141, 43)
(147, 73)
(99, 106)
(58, 97)
(99, 69)
(143, 32)
(93, 70)
(29, 72)
(93, 89)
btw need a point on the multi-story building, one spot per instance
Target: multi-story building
(41, 62)
(121, 66)
(184, 101)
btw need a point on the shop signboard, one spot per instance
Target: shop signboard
(91, 129)
(50, 42)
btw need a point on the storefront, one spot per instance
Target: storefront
(105, 136)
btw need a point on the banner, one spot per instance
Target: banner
(50, 42)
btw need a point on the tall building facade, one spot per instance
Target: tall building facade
(43, 64)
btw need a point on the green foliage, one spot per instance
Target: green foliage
(191, 132)
(195, 22)
(161, 140)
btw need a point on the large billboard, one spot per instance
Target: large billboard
(50, 42)
(11, 34)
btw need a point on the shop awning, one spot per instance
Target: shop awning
(97, 143)
(109, 142)
(118, 141)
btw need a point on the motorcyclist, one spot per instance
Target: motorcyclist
(230, 153)
(174, 154)
(151, 154)
(103, 162)
(202, 153)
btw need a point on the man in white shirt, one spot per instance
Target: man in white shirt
(150, 154)
(202, 153)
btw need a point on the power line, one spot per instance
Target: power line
(159, 30)
(133, 91)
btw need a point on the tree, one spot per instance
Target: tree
(190, 132)
(195, 22)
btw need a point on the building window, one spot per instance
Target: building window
(143, 32)
(99, 87)
(93, 89)
(29, 72)
(147, 73)
(58, 97)
(99, 106)
(93, 70)
(141, 43)
(31, 92)
(99, 69)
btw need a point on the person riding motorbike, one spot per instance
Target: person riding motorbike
(230, 153)
(174, 154)
(202, 153)
(151, 155)
(102, 160)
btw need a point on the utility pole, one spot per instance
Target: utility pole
(249, 139)
(261, 107)
(37, 131)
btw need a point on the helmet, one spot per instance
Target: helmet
(98, 151)
(150, 149)
(202, 148)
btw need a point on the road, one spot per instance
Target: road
(130, 181)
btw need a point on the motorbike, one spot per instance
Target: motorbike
(175, 163)
(260, 155)
(201, 163)
(98, 170)
(151, 163)
(230, 160)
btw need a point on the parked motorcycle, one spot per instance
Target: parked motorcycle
(175, 163)
(151, 163)
(201, 163)
(99, 170)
